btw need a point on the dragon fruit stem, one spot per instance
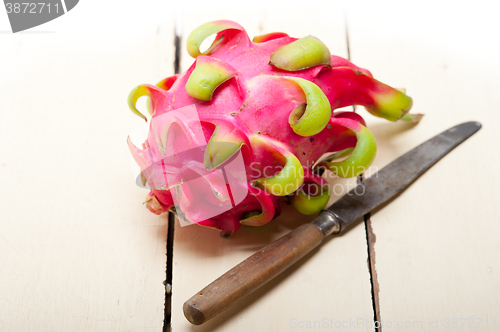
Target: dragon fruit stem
(413, 117)
(346, 86)
(270, 102)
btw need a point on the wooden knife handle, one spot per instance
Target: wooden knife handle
(252, 273)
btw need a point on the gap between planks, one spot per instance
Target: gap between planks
(167, 321)
(374, 285)
(370, 235)
(375, 288)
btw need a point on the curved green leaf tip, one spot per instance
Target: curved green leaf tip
(301, 54)
(310, 204)
(208, 74)
(134, 95)
(288, 180)
(362, 155)
(312, 118)
(391, 104)
(198, 35)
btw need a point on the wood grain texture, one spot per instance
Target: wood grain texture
(331, 284)
(78, 251)
(252, 273)
(437, 247)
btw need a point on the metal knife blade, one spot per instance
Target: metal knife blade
(392, 179)
(276, 257)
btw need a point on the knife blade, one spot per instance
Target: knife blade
(368, 195)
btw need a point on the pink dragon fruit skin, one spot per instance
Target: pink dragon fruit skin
(272, 100)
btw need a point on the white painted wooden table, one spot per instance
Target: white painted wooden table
(78, 251)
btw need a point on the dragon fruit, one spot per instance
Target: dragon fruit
(271, 101)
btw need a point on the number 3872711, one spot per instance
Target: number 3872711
(31, 8)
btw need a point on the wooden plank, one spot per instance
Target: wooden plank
(78, 251)
(331, 285)
(436, 245)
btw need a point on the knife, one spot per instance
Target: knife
(369, 194)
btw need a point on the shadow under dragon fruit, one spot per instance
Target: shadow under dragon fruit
(244, 125)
